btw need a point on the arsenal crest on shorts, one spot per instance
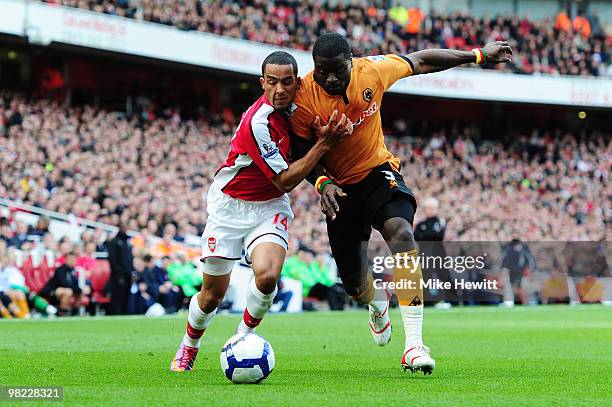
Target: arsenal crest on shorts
(212, 244)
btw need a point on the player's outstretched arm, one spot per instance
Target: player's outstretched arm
(435, 60)
(328, 136)
(299, 148)
(331, 193)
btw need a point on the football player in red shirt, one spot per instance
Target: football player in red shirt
(248, 206)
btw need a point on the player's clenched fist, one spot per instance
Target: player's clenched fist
(498, 51)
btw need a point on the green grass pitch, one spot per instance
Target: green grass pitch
(553, 355)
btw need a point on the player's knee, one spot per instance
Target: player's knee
(64, 292)
(399, 232)
(267, 272)
(208, 300)
(266, 280)
(355, 292)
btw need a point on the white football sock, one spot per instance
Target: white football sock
(412, 316)
(258, 304)
(197, 320)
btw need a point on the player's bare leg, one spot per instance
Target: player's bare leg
(202, 309)
(267, 264)
(398, 235)
(359, 285)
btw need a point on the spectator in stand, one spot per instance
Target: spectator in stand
(315, 278)
(48, 243)
(65, 246)
(581, 25)
(63, 288)
(121, 262)
(516, 261)
(548, 184)
(554, 45)
(6, 233)
(563, 22)
(87, 258)
(169, 295)
(99, 237)
(430, 233)
(13, 301)
(282, 296)
(165, 247)
(41, 228)
(21, 235)
(183, 274)
(143, 291)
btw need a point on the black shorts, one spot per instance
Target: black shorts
(380, 196)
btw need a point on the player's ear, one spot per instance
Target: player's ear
(261, 82)
(299, 82)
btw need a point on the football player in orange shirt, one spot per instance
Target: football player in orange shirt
(359, 179)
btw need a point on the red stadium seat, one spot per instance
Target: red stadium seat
(99, 277)
(28, 273)
(36, 277)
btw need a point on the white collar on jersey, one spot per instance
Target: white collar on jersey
(289, 112)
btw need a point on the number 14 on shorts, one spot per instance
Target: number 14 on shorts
(281, 222)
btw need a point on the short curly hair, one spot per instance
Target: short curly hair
(331, 45)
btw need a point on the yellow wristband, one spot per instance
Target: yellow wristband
(476, 52)
(321, 179)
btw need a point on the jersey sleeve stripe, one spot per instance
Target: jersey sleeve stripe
(260, 131)
(405, 58)
(226, 174)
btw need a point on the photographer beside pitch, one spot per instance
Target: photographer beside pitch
(248, 206)
(361, 186)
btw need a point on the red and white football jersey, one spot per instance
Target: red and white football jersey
(259, 151)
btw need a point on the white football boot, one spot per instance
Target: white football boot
(380, 324)
(416, 357)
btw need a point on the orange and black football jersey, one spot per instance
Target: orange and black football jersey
(355, 156)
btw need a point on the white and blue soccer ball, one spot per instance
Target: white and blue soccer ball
(247, 358)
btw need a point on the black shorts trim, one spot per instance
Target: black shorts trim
(264, 234)
(218, 257)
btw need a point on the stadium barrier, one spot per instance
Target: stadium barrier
(61, 225)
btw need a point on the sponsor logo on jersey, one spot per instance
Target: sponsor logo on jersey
(269, 150)
(368, 94)
(376, 58)
(212, 244)
(366, 113)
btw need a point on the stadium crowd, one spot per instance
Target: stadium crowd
(555, 45)
(152, 174)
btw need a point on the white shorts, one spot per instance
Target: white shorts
(234, 224)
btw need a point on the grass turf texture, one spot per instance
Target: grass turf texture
(552, 355)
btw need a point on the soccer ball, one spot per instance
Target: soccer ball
(247, 358)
